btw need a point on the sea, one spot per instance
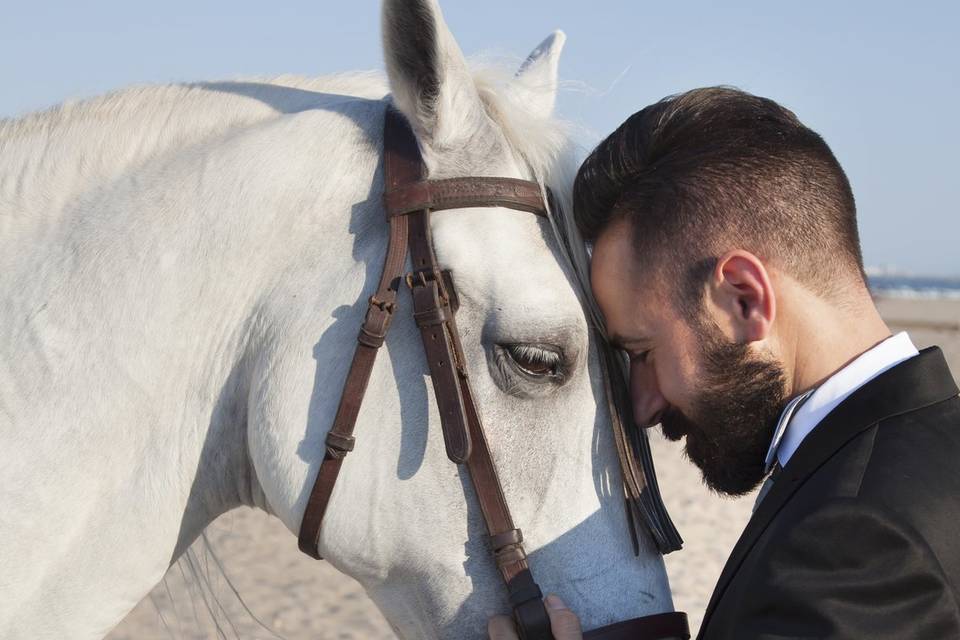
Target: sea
(902, 286)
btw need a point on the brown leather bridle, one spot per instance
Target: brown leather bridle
(409, 198)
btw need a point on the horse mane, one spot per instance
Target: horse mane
(154, 118)
(141, 104)
(91, 141)
(100, 138)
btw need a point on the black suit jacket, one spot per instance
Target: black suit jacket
(859, 537)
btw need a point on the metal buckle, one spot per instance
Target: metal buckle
(423, 277)
(384, 305)
(373, 331)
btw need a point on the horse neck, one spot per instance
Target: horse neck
(267, 266)
(153, 292)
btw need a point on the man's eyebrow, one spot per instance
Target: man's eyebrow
(616, 341)
(619, 342)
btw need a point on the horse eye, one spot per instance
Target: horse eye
(541, 361)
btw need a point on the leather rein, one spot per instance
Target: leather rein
(409, 199)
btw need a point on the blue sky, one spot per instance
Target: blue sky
(879, 80)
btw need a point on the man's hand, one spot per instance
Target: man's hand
(563, 623)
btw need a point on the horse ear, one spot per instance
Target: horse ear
(428, 74)
(535, 85)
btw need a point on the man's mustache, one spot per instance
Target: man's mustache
(675, 425)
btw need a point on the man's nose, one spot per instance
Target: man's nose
(648, 402)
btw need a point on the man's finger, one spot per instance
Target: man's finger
(563, 623)
(501, 628)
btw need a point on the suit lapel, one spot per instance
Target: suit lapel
(913, 384)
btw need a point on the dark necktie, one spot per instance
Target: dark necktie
(765, 487)
(772, 462)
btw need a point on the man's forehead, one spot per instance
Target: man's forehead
(612, 260)
(619, 284)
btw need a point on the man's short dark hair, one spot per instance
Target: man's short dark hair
(713, 169)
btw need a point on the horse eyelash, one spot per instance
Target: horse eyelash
(538, 355)
(534, 354)
(514, 381)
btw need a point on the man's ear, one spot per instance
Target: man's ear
(743, 291)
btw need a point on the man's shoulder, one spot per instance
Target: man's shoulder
(916, 450)
(913, 475)
(904, 462)
(913, 455)
(902, 470)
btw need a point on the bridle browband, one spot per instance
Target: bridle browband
(409, 199)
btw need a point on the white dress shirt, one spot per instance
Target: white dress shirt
(803, 417)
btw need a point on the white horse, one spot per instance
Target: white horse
(183, 271)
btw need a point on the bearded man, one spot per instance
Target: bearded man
(726, 260)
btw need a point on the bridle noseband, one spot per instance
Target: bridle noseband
(409, 199)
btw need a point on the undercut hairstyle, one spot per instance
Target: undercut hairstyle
(703, 172)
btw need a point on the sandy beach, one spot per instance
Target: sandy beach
(298, 598)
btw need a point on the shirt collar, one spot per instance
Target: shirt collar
(805, 412)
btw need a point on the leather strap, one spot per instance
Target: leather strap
(463, 431)
(400, 160)
(656, 627)
(434, 315)
(456, 193)
(340, 440)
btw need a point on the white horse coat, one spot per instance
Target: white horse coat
(183, 271)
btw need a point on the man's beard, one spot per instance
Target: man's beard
(732, 421)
